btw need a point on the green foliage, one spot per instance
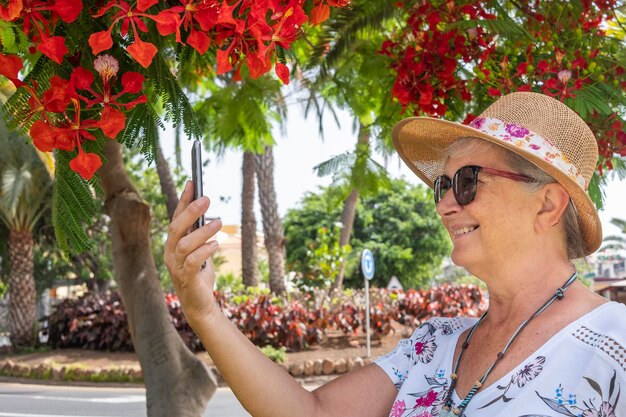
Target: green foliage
(278, 355)
(12, 39)
(241, 114)
(400, 226)
(94, 267)
(167, 90)
(324, 259)
(229, 283)
(72, 205)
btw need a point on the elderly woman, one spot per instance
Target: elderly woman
(510, 189)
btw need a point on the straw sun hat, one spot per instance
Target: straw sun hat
(540, 128)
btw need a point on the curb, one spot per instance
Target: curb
(309, 372)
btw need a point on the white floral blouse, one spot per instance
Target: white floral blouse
(579, 372)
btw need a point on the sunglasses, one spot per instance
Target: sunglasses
(464, 182)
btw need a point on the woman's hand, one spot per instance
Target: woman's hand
(186, 252)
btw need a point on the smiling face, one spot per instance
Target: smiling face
(499, 222)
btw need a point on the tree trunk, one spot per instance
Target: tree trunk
(349, 205)
(249, 258)
(22, 292)
(167, 184)
(272, 225)
(177, 382)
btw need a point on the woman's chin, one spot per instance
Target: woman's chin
(461, 258)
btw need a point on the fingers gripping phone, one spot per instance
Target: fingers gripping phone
(196, 176)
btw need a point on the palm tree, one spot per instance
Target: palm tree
(240, 115)
(348, 76)
(249, 257)
(24, 197)
(616, 241)
(272, 224)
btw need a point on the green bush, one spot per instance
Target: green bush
(276, 355)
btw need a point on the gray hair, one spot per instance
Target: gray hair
(576, 247)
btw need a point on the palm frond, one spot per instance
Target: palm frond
(337, 164)
(615, 238)
(621, 223)
(16, 179)
(503, 25)
(341, 32)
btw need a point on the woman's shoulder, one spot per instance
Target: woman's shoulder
(608, 318)
(603, 331)
(445, 326)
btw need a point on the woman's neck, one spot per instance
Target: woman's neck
(518, 289)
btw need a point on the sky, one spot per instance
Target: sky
(301, 148)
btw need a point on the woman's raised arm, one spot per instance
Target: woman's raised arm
(262, 387)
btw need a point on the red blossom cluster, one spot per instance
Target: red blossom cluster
(38, 19)
(246, 32)
(611, 138)
(564, 53)
(428, 54)
(62, 124)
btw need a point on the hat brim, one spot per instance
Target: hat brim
(421, 143)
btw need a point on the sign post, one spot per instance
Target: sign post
(367, 266)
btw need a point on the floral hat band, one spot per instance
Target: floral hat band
(529, 142)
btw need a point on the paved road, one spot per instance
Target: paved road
(22, 400)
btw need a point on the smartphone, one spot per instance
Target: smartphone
(196, 176)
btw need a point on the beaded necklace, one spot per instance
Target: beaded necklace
(448, 409)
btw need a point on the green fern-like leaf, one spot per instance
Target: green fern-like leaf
(587, 100)
(73, 205)
(596, 192)
(167, 89)
(143, 122)
(17, 106)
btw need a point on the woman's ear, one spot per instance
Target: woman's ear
(554, 201)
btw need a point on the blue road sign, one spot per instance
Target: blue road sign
(367, 264)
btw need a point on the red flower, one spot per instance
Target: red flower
(68, 10)
(10, 66)
(53, 47)
(85, 164)
(100, 41)
(112, 122)
(494, 92)
(112, 119)
(57, 97)
(32, 12)
(140, 51)
(197, 19)
(282, 71)
(43, 136)
(11, 11)
(319, 14)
